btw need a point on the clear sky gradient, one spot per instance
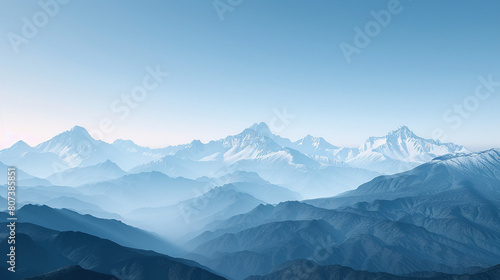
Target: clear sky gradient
(263, 56)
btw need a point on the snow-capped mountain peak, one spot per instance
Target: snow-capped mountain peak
(393, 138)
(79, 129)
(195, 146)
(402, 132)
(316, 142)
(72, 146)
(258, 131)
(486, 162)
(74, 138)
(195, 143)
(400, 147)
(262, 129)
(76, 148)
(256, 146)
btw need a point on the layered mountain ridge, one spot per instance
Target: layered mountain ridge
(310, 166)
(440, 216)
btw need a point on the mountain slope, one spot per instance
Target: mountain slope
(479, 171)
(402, 144)
(73, 272)
(253, 184)
(235, 177)
(306, 269)
(38, 258)
(310, 166)
(66, 220)
(257, 150)
(96, 254)
(77, 176)
(22, 178)
(31, 160)
(76, 148)
(144, 154)
(400, 150)
(174, 166)
(442, 216)
(147, 189)
(193, 214)
(386, 238)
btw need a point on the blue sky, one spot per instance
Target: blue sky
(264, 56)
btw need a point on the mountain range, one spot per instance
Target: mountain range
(256, 205)
(310, 166)
(479, 172)
(441, 216)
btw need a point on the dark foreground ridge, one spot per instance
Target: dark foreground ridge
(73, 272)
(305, 269)
(41, 250)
